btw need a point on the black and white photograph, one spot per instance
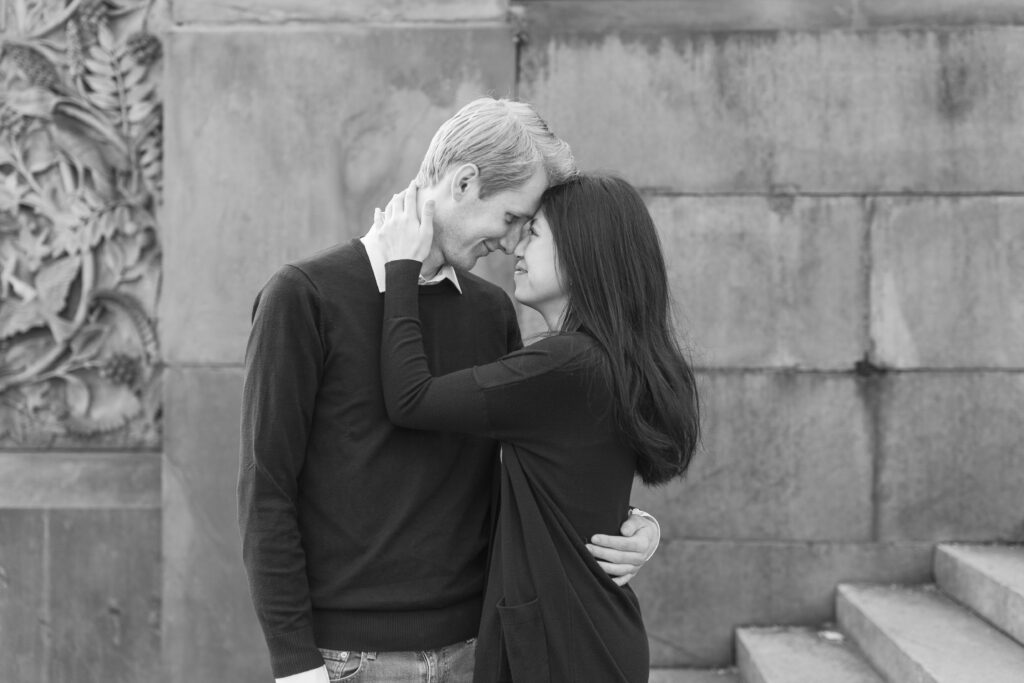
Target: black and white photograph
(511, 341)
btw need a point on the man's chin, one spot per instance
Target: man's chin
(463, 261)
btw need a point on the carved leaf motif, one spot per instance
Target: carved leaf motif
(88, 343)
(112, 406)
(17, 317)
(76, 118)
(76, 393)
(33, 249)
(102, 227)
(54, 280)
(32, 101)
(9, 196)
(134, 75)
(106, 38)
(98, 63)
(113, 257)
(86, 154)
(39, 152)
(86, 119)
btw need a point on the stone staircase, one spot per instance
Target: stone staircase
(968, 628)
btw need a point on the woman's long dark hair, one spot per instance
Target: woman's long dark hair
(613, 270)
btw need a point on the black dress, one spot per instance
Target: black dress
(550, 612)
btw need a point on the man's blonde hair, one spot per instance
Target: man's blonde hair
(507, 140)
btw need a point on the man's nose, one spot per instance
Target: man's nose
(511, 239)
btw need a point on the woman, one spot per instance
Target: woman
(605, 396)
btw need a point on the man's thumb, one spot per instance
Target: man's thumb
(428, 213)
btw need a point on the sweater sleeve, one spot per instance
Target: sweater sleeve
(283, 362)
(460, 401)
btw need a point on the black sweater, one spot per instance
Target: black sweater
(358, 535)
(550, 612)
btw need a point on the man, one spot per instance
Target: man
(366, 544)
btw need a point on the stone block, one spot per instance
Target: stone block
(79, 480)
(785, 456)
(104, 595)
(942, 12)
(281, 143)
(950, 463)
(767, 282)
(210, 631)
(913, 110)
(947, 282)
(766, 15)
(281, 11)
(24, 628)
(695, 593)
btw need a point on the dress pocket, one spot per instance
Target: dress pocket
(525, 641)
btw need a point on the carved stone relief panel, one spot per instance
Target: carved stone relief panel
(80, 183)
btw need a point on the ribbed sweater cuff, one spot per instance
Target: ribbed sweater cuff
(294, 652)
(401, 298)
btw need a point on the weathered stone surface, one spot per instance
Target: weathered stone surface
(987, 578)
(766, 15)
(920, 634)
(785, 456)
(24, 601)
(947, 282)
(950, 466)
(767, 282)
(861, 112)
(104, 594)
(693, 676)
(799, 655)
(280, 143)
(695, 593)
(937, 12)
(79, 480)
(209, 626)
(280, 11)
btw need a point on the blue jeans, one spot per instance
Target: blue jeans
(450, 664)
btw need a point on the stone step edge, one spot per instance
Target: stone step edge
(969, 584)
(891, 657)
(829, 633)
(690, 675)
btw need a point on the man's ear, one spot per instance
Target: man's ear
(465, 182)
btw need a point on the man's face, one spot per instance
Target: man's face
(467, 227)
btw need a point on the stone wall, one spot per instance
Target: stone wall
(840, 202)
(838, 186)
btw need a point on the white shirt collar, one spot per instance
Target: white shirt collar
(371, 241)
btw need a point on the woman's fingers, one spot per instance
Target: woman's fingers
(621, 574)
(632, 557)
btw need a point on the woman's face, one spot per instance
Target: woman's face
(538, 281)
